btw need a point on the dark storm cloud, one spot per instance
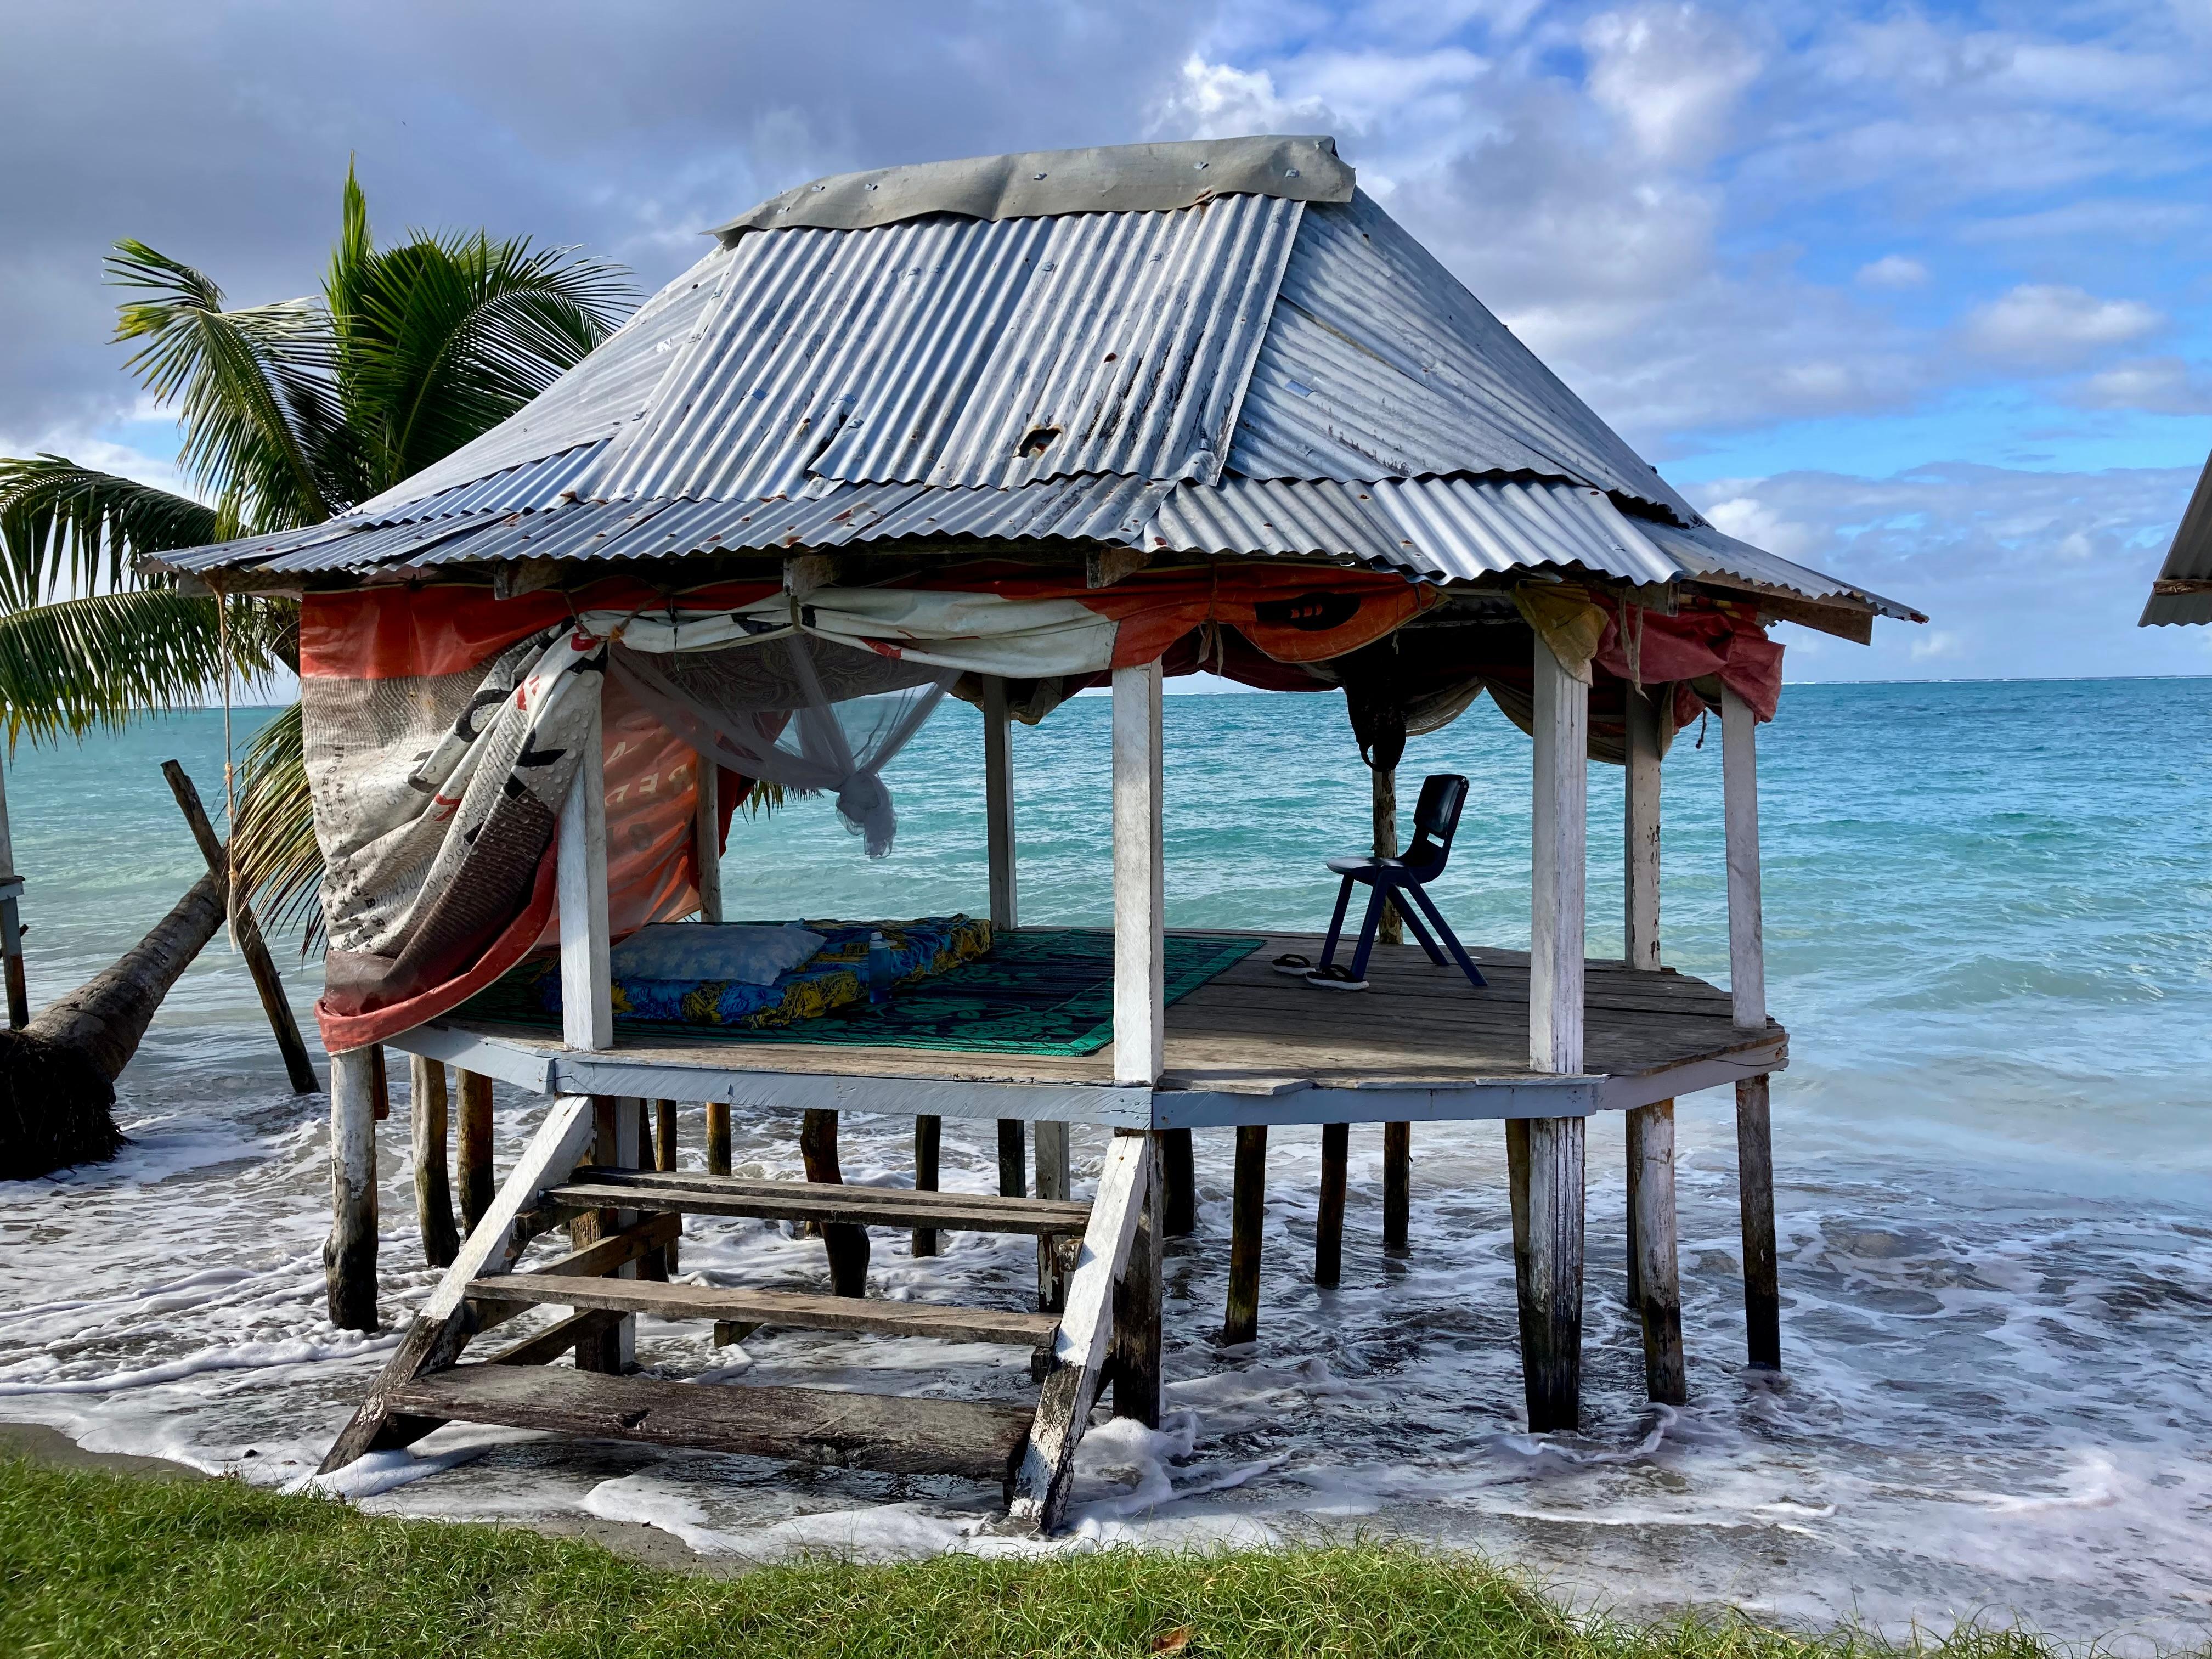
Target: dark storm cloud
(220, 134)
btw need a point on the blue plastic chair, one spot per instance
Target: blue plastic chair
(1435, 821)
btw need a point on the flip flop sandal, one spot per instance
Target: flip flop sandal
(1335, 977)
(1292, 963)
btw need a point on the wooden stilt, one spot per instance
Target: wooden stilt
(435, 1340)
(11, 923)
(1328, 1222)
(1383, 791)
(1653, 1270)
(478, 1183)
(664, 1134)
(998, 805)
(928, 1132)
(707, 838)
(1545, 1158)
(1397, 1190)
(848, 1245)
(1179, 1176)
(619, 1129)
(1013, 1159)
(1248, 1211)
(1052, 1182)
(380, 1083)
(434, 1197)
(350, 1256)
(587, 1008)
(1640, 931)
(1140, 945)
(717, 1137)
(1754, 1132)
(1136, 1348)
(1079, 1347)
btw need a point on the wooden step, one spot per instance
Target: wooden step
(786, 1308)
(898, 1436)
(800, 1200)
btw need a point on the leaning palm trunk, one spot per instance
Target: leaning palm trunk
(57, 1074)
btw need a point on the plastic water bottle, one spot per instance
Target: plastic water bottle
(881, 969)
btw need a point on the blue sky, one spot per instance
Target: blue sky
(1917, 294)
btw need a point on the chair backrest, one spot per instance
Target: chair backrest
(1436, 818)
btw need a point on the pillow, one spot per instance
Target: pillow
(752, 953)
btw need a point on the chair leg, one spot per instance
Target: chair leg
(1421, 933)
(1374, 919)
(1459, 954)
(1336, 924)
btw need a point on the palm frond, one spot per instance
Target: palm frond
(278, 861)
(254, 388)
(67, 529)
(77, 665)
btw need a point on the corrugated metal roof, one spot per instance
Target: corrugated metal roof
(968, 354)
(1250, 374)
(1048, 183)
(1378, 364)
(2188, 560)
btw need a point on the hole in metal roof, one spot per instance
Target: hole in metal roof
(1039, 439)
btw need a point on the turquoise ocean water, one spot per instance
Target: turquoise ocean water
(1989, 924)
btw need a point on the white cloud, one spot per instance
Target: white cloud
(1937, 645)
(1673, 74)
(1893, 271)
(2161, 385)
(1748, 519)
(2051, 322)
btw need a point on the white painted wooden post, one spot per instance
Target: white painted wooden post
(349, 1257)
(1640, 854)
(1754, 1131)
(999, 805)
(587, 1008)
(1140, 945)
(706, 836)
(1546, 1155)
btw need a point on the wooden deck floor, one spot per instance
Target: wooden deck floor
(1253, 1035)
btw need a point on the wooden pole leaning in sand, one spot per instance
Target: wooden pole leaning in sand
(1655, 1288)
(267, 982)
(1754, 1134)
(1545, 1155)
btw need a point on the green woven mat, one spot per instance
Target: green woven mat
(1041, 991)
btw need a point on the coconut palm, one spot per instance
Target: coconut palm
(290, 413)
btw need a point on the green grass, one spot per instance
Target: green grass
(95, 1565)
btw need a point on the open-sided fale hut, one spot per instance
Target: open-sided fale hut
(1012, 428)
(2182, 591)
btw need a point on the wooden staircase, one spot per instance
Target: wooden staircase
(621, 1222)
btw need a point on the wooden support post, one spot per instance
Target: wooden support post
(998, 805)
(1179, 1177)
(350, 1256)
(1397, 1190)
(1382, 785)
(435, 1340)
(1328, 1222)
(1545, 1155)
(618, 1128)
(1013, 1159)
(379, 1084)
(476, 1164)
(1080, 1345)
(706, 839)
(1140, 944)
(1247, 1213)
(1136, 1349)
(587, 1008)
(928, 1134)
(1754, 1132)
(848, 1245)
(664, 1134)
(434, 1196)
(268, 984)
(1640, 821)
(1053, 1181)
(11, 921)
(717, 1137)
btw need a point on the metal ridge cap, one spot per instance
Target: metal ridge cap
(1043, 184)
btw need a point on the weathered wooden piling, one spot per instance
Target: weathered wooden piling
(1545, 1160)
(1136, 1345)
(848, 1245)
(1052, 1182)
(717, 1137)
(349, 1254)
(1397, 1190)
(1328, 1219)
(1013, 1159)
(1657, 1293)
(664, 1134)
(11, 923)
(475, 1149)
(618, 1127)
(1754, 1133)
(1247, 1213)
(434, 1196)
(1179, 1180)
(928, 1138)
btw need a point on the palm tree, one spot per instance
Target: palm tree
(290, 413)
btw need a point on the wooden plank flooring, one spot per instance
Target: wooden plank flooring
(1251, 1030)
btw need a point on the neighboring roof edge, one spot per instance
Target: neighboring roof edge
(1039, 184)
(2183, 591)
